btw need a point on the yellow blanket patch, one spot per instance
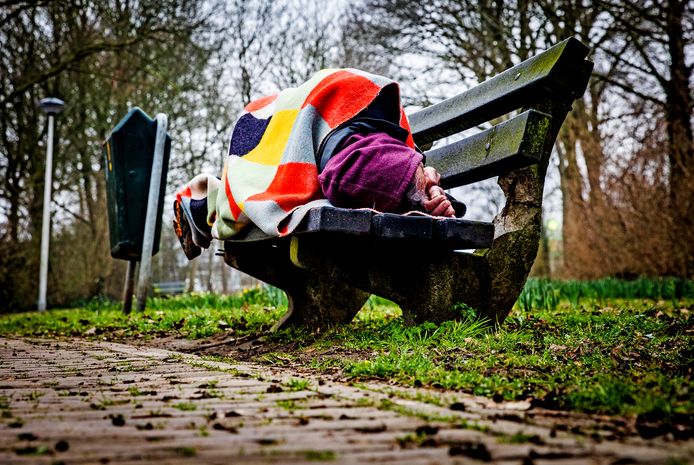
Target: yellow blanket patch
(271, 147)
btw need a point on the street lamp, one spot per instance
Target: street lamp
(51, 106)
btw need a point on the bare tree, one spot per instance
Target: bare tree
(650, 45)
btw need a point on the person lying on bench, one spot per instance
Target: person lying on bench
(340, 139)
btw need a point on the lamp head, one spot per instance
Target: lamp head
(51, 105)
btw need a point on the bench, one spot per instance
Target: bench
(337, 257)
(169, 288)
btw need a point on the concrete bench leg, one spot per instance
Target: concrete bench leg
(428, 284)
(315, 300)
(443, 290)
(318, 301)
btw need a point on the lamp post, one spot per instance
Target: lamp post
(51, 106)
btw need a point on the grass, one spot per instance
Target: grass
(186, 451)
(596, 354)
(192, 316)
(319, 455)
(546, 294)
(185, 406)
(287, 404)
(32, 450)
(628, 359)
(568, 345)
(296, 384)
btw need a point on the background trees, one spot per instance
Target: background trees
(100, 57)
(624, 159)
(199, 62)
(650, 52)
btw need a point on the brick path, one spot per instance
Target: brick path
(83, 402)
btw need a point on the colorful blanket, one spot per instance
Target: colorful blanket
(270, 177)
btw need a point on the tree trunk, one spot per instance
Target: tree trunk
(678, 111)
(572, 200)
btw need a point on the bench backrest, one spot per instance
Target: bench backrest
(557, 75)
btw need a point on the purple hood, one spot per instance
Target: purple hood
(371, 170)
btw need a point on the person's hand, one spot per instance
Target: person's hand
(437, 204)
(432, 177)
(427, 192)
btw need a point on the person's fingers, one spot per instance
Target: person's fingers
(432, 176)
(435, 191)
(431, 173)
(439, 206)
(420, 179)
(430, 204)
(442, 209)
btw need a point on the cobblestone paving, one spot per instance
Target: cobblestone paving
(85, 402)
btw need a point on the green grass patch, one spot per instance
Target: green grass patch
(288, 404)
(546, 294)
(192, 316)
(629, 356)
(605, 355)
(32, 450)
(296, 384)
(319, 455)
(134, 391)
(186, 451)
(517, 438)
(185, 406)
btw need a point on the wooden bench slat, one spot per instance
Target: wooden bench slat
(392, 226)
(332, 219)
(466, 234)
(452, 233)
(510, 145)
(515, 88)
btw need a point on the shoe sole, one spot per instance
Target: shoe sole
(183, 232)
